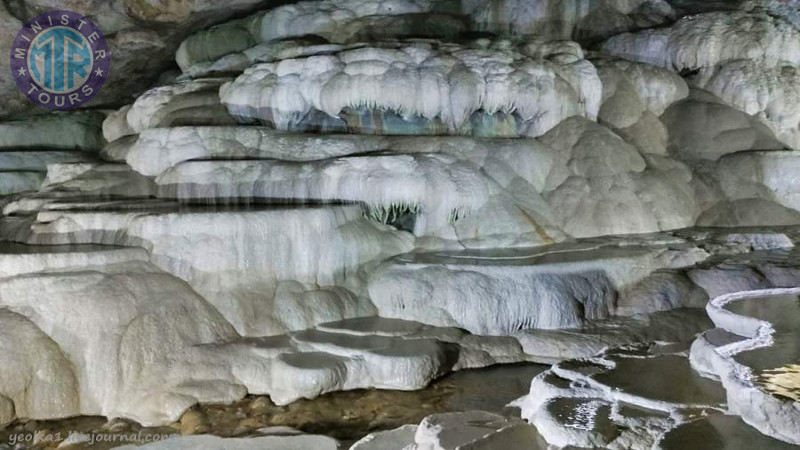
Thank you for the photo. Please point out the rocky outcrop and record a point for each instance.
(28, 146)
(421, 87)
(752, 353)
(471, 429)
(271, 297)
(748, 59)
(336, 21)
(711, 39)
(768, 92)
(585, 21)
(37, 383)
(370, 194)
(703, 127)
(608, 186)
(62, 131)
(501, 292)
(119, 337)
(592, 403)
(194, 102)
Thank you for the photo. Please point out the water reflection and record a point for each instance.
(719, 432)
(347, 416)
(776, 368)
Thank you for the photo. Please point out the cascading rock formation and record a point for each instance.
(288, 200)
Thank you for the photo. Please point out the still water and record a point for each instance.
(776, 368)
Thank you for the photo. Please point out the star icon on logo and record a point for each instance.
(65, 51)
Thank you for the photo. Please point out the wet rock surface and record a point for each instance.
(346, 416)
(330, 223)
(775, 367)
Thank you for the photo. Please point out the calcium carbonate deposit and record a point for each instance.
(408, 224)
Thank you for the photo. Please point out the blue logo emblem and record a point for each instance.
(60, 60)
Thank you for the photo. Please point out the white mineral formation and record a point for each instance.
(605, 186)
(748, 212)
(484, 183)
(439, 186)
(499, 292)
(541, 83)
(707, 40)
(269, 264)
(594, 402)
(632, 89)
(127, 312)
(397, 439)
(116, 125)
(552, 346)
(762, 174)
(460, 430)
(19, 259)
(338, 195)
(702, 127)
(748, 59)
(770, 93)
(125, 339)
(491, 198)
(116, 151)
(753, 189)
(157, 150)
(236, 63)
(96, 180)
(457, 188)
(37, 381)
(195, 101)
(757, 367)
